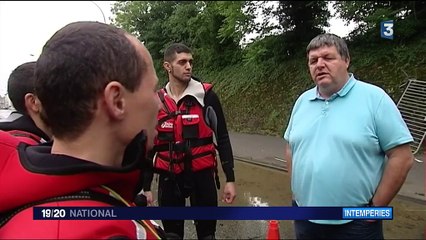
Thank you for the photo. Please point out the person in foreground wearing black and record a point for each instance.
(97, 88)
(25, 121)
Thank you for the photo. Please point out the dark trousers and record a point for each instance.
(171, 193)
(357, 229)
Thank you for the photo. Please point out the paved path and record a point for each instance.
(269, 151)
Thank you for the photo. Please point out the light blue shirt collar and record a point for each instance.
(341, 93)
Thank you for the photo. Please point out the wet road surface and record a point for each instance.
(262, 186)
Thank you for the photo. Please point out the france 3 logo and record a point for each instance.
(386, 29)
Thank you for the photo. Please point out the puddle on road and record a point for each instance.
(260, 186)
(256, 186)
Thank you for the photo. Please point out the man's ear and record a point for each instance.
(167, 66)
(114, 100)
(31, 103)
(348, 61)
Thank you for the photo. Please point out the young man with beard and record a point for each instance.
(184, 154)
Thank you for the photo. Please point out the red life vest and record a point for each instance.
(26, 137)
(184, 139)
(66, 229)
(37, 189)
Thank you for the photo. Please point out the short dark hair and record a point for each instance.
(76, 64)
(329, 39)
(21, 82)
(173, 49)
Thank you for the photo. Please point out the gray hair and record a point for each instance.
(329, 39)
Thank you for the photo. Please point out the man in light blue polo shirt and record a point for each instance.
(346, 144)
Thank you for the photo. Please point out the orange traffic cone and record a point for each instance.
(273, 230)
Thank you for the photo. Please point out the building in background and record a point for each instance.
(5, 102)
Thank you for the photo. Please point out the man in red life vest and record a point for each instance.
(184, 154)
(25, 122)
(97, 88)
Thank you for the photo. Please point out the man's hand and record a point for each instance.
(229, 193)
(149, 198)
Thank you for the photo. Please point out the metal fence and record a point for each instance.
(412, 106)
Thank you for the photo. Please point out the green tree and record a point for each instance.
(298, 23)
(221, 27)
(409, 18)
(147, 20)
(304, 18)
(212, 29)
